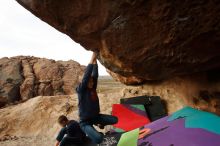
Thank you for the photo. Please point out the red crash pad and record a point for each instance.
(129, 116)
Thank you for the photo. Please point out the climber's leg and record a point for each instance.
(104, 120)
(91, 132)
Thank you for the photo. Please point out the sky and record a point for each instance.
(22, 33)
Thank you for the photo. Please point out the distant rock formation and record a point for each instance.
(145, 39)
(23, 78)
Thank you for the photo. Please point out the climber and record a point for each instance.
(89, 110)
(72, 130)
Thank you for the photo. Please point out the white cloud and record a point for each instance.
(21, 33)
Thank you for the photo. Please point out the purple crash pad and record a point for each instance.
(174, 133)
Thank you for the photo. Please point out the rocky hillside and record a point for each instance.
(23, 78)
(140, 39)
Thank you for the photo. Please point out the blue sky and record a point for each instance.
(21, 33)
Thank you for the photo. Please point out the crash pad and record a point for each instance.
(172, 130)
(198, 119)
(129, 117)
(153, 105)
(129, 138)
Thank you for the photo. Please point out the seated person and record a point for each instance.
(72, 130)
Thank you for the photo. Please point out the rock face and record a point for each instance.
(10, 80)
(129, 80)
(145, 39)
(23, 78)
(176, 93)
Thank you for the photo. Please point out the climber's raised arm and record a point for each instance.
(88, 73)
(93, 59)
(95, 74)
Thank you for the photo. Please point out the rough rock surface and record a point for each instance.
(147, 39)
(195, 91)
(129, 80)
(23, 78)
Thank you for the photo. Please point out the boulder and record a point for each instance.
(24, 77)
(147, 39)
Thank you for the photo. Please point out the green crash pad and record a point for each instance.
(129, 138)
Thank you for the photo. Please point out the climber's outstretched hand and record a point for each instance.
(93, 58)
